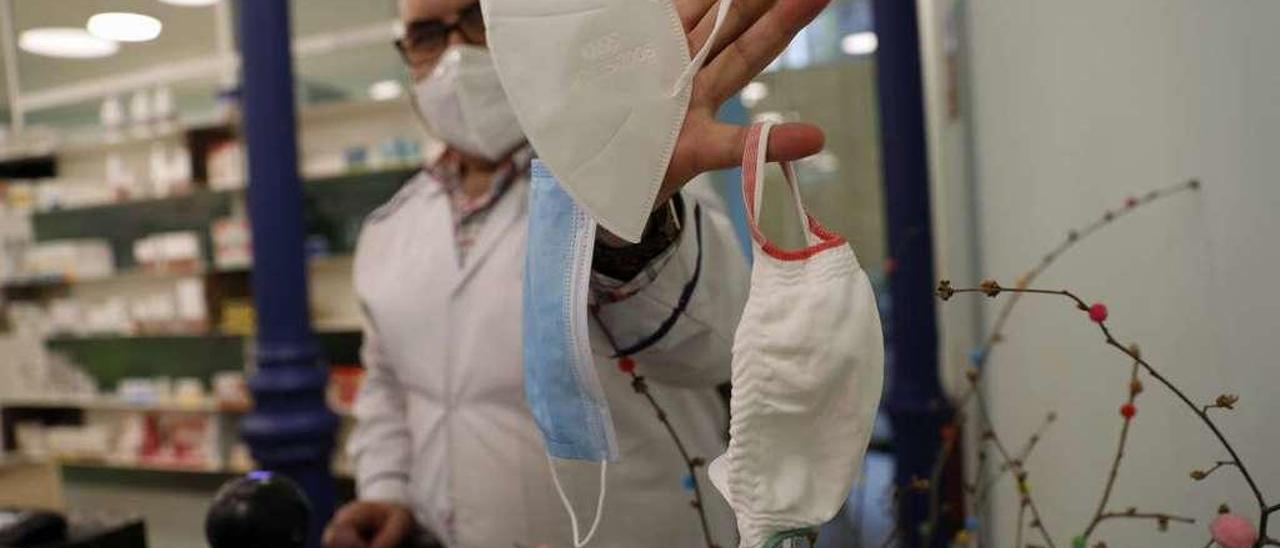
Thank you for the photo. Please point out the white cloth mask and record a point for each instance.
(463, 104)
(601, 87)
(808, 368)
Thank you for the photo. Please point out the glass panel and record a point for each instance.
(187, 33)
(827, 77)
(350, 74)
(313, 17)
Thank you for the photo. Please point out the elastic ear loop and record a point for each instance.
(788, 172)
(722, 12)
(573, 516)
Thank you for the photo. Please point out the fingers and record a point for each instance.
(741, 15)
(692, 11)
(355, 522)
(342, 536)
(393, 531)
(753, 50)
(723, 144)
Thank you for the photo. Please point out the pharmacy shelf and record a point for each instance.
(47, 281)
(323, 328)
(111, 403)
(335, 208)
(140, 337)
(140, 466)
(133, 275)
(101, 464)
(40, 142)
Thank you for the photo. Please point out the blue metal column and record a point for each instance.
(916, 405)
(291, 429)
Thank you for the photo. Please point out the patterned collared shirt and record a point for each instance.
(470, 213)
(635, 266)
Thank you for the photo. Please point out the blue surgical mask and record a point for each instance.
(561, 384)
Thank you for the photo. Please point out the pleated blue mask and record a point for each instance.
(561, 384)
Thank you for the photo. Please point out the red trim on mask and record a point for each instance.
(750, 177)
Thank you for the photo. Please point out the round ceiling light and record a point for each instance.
(191, 3)
(860, 43)
(124, 27)
(386, 90)
(66, 42)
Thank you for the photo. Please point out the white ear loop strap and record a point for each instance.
(762, 149)
(573, 516)
(722, 11)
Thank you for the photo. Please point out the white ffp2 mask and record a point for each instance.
(463, 104)
(601, 87)
(808, 367)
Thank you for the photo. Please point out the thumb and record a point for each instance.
(393, 530)
(787, 142)
(342, 536)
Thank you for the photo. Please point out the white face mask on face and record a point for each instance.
(462, 103)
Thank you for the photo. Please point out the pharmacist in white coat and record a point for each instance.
(444, 440)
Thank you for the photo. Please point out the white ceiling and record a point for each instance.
(189, 32)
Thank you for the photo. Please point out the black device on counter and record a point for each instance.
(42, 529)
(20, 529)
(265, 509)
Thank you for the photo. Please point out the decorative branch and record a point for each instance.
(1225, 401)
(1022, 519)
(1132, 513)
(1200, 475)
(692, 463)
(1049, 419)
(1024, 487)
(981, 355)
(1135, 388)
(1098, 313)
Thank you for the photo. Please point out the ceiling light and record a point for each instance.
(191, 3)
(860, 43)
(770, 117)
(66, 42)
(124, 27)
(385, 90)
(754, 93)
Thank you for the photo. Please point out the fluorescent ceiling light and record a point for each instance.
(754, 93)
(66, 42)
(860, 43)
(771, 116)
(192, 3)
(124, 27)
(385, 90)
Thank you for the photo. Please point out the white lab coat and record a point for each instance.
(442, 422)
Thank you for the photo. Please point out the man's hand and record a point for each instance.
(368, 524)
(754, 33)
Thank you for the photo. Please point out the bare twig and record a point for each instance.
(983, 354)
(1099, 514)
(1202, 474)
(1165, 518)
(1024, 489)
(691, 463)
(945, 290)
(981, 492)
(1035, 438)
(1022, 523)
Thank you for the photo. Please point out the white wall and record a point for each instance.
(1076, 105)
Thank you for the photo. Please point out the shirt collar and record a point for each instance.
(447, 171)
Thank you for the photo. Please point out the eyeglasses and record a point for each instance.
(426, 40)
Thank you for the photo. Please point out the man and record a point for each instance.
(444, 439)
